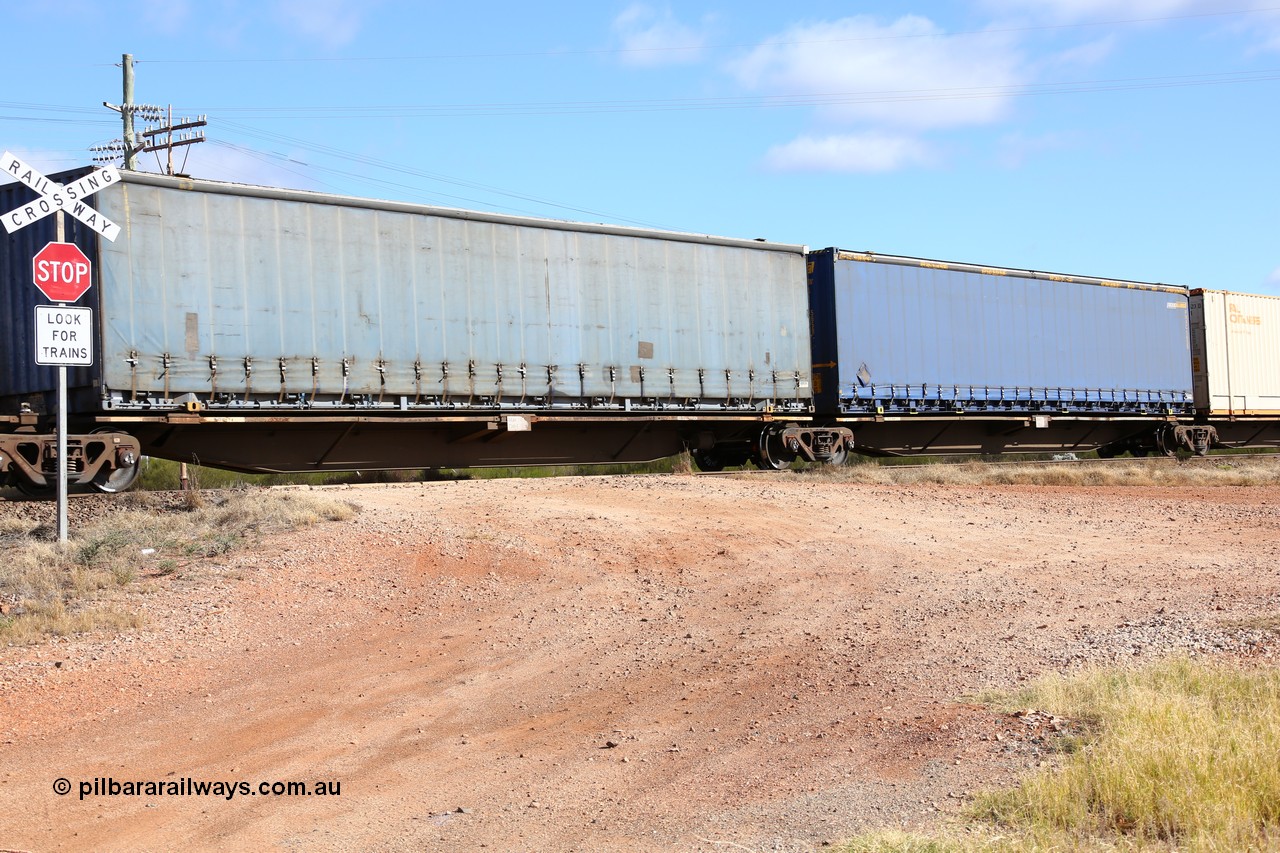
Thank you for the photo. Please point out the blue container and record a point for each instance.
(21, 379)
(906, 335)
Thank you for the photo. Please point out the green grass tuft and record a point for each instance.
(1137, 472)
(1185, 752)
(1181, 755)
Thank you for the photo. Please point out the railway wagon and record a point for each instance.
(261, 329)
(1235, 360)
(926, 356)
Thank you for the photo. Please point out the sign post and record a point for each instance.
(64, 336)
(62, 272)
(63, 510)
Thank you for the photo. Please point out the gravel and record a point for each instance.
(645, 663)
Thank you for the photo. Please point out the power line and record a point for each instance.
(855, 98)
(47, 108)
(829, 99)
(1065, 87)
(77, 121)
(700, 47)
(349, 156)
(277, 160)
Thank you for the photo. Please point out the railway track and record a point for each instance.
(9, 494)
(1171, 460)
(1177, 460)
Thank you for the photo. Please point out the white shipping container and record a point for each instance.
(1235, 353)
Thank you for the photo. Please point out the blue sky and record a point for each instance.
(1130, 140)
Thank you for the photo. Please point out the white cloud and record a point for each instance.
(46, 162)
(876, 88)
(908, 74)
(879, 90)
(332, 23)
(1268, 286)
(853, 152)
(1261, 26)
(221, 163)
(1089, 53)
(1014, 149)
(209, 161)
(1071, 11)
(163, 16)
(650, 37)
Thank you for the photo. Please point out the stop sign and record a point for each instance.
(61, 271)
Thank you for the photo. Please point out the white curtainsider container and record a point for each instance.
(266, 329)
(1235, 353)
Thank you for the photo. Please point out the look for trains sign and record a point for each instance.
(54, 197)
(64, 336)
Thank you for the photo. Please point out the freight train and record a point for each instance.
(271, 330)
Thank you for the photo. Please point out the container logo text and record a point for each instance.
(1235, 315)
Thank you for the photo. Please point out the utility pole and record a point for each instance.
(126, 112)
(127, 148)
(152, 134)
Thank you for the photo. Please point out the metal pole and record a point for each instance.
(62, 452)
(170, 172)
(126, 112)
(60, 235)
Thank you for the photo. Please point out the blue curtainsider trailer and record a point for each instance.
(977, 350)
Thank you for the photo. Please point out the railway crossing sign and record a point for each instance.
(64, 335)
(54, 197)
(61, 272)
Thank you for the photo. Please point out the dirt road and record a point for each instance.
(654, 663)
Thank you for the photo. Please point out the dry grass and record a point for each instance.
(47, 588)
(682, 463)
(1186, 753)
(1221, 471)
(896, 841)
(1181, 755)
(1254, 623)
(956, 840)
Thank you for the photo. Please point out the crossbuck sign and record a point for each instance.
(55, 197)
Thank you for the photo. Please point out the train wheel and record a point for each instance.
(49, 490)
(839, 457)
(116, 479)
(771, 454)
(708, 461)
(1168, 440)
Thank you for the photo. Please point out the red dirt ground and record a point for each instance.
(645, 663)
